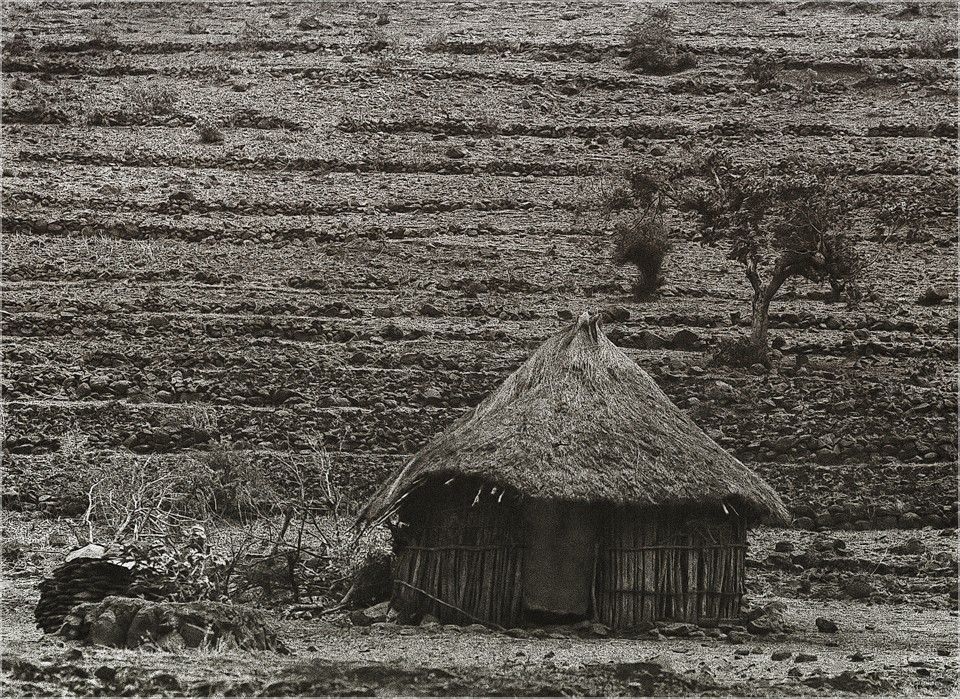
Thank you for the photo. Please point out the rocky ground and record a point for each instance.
(405, 202)
(891, 597)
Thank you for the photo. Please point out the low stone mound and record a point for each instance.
(125, 622)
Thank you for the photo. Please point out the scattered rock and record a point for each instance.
(371, 615)
(911, 547)
(126, 622)
(429, 621)
(859, 589)
(651, 341)
(432, 397)
(615, 314)
(309, 23)
(518, 633)
(805, 658)
(825, 625)
(105, 673)
(886, 522)
(934, 296)
(676, 629)
(685, 340)
(94, 551)
(737, 637)
(779, 655)
(784, 547)
(766, 619)
(431, 311)
(599, 630)
(910, 520)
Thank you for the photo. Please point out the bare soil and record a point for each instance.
(405, 202)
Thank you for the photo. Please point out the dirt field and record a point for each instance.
(406, 200)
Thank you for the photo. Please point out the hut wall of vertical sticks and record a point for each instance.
(661, 563)
(576, 490)
(460, 559)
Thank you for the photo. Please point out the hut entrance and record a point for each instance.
(560, 561)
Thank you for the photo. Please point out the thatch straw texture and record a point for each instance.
(580, 421)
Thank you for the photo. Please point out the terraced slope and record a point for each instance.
(406, 202)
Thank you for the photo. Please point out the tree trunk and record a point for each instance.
(763, 294)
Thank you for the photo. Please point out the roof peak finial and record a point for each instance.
(591, 322)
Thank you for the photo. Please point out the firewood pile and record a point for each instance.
(84, 577)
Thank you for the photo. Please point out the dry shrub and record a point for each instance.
(208, 131)
(377, 40)
(644, 241)
(313, 552)
(614, 197)
(235, 485)
(764, 70)
(150, 99)
(653, 48)
(740, 352)
(16, 44)
(932, 41)
(436, 42)
(156, 516)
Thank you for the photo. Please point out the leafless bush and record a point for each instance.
(102, 36)
(436, 42)
(642, 240)
(311, 552)
(136, 498)
(150, 99)
(235, 484)
(17, 44)
(614, 196)
(764, 70)
(932, 41)
(741, 352)
(652, 46)
(208, 131)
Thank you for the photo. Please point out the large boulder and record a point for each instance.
(127, 622)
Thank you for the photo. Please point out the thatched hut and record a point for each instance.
(577, 490)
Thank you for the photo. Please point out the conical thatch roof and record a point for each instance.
(580, 421)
